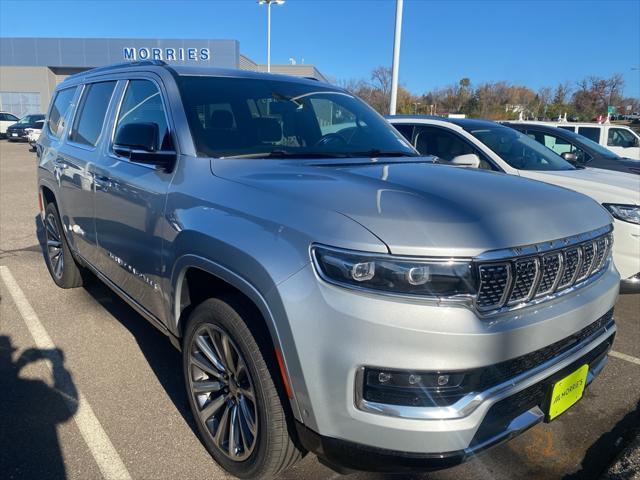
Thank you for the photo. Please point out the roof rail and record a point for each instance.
(312, 78)
(114, 66)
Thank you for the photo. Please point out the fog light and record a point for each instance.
(411, 388)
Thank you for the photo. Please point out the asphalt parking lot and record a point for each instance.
(89, 389)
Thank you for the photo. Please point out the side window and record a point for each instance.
(592, 133)
(405, 129)
(91, 113)
(443, 144)
(438, 142)
(142, 103)
(619, 137)
(59, 110)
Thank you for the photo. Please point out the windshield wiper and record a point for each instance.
(384, 153)
(288, 154)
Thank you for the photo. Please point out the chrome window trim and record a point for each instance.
(472, 401)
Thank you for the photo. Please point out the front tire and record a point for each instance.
(62, 266)
(241, 414)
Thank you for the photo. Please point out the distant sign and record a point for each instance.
(611, 109)
(167, 54)
(629, 107)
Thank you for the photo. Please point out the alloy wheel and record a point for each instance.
(223, 392)
(54, 246)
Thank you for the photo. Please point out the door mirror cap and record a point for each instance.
(572, 158)
(138, 143)
(138, 136)
(468, 160)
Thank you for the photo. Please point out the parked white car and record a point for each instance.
(6, 119)
(620, 139)
(491, 146)
(34, 133)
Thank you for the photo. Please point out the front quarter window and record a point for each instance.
(519, 150)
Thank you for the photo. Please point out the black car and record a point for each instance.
(16, 132)
(576, 148)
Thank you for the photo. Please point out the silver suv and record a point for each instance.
(330, 290)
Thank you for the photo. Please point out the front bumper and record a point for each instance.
(19, 134)
(631, 284)
(337, 332)
(522, 404)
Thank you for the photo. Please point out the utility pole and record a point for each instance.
(396, 58)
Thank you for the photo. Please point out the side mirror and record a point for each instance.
(468, 160)
(572, 158)
(138, 142)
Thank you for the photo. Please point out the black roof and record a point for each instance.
(151, 65)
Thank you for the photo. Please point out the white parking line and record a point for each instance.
(105, 455)
(624, 356)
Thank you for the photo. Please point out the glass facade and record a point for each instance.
(20, 103)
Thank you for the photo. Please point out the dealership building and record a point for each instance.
(30, 68)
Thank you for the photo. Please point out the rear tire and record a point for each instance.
(263, 444)
(64, 270)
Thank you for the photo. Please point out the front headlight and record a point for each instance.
(392, 274)
(626, 213)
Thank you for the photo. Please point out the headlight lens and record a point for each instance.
(395, 274)
(626, 213)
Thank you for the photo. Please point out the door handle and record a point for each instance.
(102, 182)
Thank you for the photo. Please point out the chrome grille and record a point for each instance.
(541, 270)
(588, 250)
(526, 272)
(571, 261)
(551, 264)
(494, 283)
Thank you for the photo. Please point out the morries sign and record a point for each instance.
(167, 54)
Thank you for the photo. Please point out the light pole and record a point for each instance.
(396, 58)
(269, 2)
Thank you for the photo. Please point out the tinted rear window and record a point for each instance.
(91, 113)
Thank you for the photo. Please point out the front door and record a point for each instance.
(623, 142)
(130, 200)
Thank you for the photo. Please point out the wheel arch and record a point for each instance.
(191, 268)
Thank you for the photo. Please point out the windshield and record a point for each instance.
(257, 118)
(518, 150)
(29, 119)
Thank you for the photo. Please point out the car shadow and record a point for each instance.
(30, 411)
(608, 446)
(165, 361)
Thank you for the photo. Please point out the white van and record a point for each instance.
(617, 138)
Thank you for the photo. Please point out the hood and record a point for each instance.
(419, 208)
(604, 186)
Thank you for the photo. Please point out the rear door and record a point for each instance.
(130, 199)
(73, 161)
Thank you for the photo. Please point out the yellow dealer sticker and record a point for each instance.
(568, 391)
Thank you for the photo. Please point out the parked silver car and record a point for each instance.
(331, 291)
